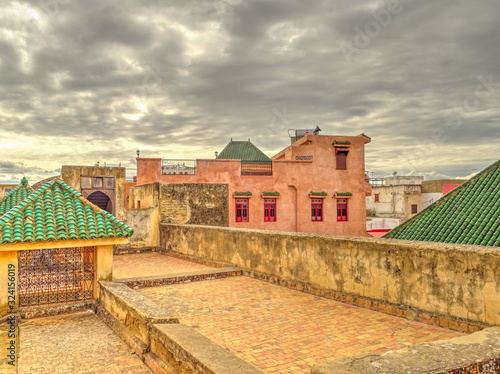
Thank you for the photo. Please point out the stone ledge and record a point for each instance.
(138, 346)
(51, 310)
(475, 353)
(156, 365)
(196, 276)
(131, 309)
(190, 352)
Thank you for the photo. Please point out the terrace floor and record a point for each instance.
(280, 330)
(76, 343)
(151, 264)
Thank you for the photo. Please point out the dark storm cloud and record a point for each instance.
(87, 81)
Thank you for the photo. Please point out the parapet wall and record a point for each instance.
(449, 285)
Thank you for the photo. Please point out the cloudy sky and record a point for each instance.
(94, 80)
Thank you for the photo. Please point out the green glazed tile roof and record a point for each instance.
(469, 214)
(242, 150)
(16, 196)
(58, 212)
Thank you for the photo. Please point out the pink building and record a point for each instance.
(316, 185)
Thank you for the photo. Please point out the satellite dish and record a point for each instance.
(395, 173)
(316, 130)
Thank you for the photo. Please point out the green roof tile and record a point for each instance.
(242, 150)
(15, 197)
(57, 212)
(469, 214)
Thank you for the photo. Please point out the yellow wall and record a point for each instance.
(8, 261)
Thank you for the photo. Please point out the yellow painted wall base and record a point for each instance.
(8, 268)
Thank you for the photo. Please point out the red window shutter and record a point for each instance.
(270, 210)
(317, 210)
(342, 213)
(241, 210)
(341, 158)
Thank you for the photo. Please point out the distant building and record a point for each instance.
(316, 185)
(470, 214)
(5, 188)
(401, 197)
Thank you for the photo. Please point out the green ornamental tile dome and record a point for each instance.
(470, 214)
(55, 212)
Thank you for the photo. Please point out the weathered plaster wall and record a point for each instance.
(145, 223)
(194, 203)
(454, 281)
(144, 196)
(205, 204)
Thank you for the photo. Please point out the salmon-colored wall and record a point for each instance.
(318, 174)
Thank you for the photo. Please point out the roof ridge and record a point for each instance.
(19, 207)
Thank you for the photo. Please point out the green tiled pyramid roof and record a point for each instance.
(242, 150)
(469, 214)
(16, 196)
(58, 212)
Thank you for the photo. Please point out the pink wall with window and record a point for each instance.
(308, 165)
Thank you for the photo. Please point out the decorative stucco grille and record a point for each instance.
(49, 276)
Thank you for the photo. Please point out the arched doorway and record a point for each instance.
(101, 200)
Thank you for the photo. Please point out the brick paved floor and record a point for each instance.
(151, 264)
(283, 331)
(74, 344)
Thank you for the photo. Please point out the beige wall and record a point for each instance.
(71, 175)
(402, 180)
(293, 205)
(452, 280)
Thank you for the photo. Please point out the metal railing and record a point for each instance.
(256, 168)
(178, 167)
